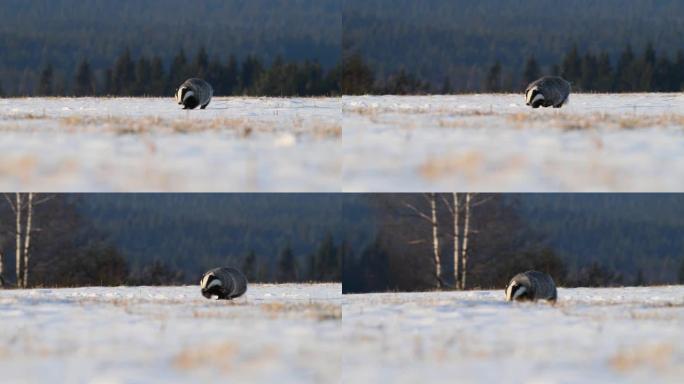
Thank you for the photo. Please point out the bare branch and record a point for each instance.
(418, 212)
(480, 202)
(42, 200)
(447, 203)
(11, 204)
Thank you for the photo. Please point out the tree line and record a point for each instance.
(645, 71)
(145, 76)
(47, 241)
(323, 265)
(71, 30)
(461, 39)
(456, 241)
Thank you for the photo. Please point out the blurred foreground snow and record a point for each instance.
(629, 335)
(151, 144)
(287, 333)
(477, 143)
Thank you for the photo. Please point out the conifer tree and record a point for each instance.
(287, 266)
(143, 77)
(84, 84)
(532, 71)
(493, 80)
(45, 84)
(200, 66)
(157, 77)
(179, 70)
(249, 266)
(124, 74)
(572, 66)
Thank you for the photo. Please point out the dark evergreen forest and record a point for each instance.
(69, 47)
(371, 241)
(445, 46)
(111, 239)
(580, 239)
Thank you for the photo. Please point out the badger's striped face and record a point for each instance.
(515, 291)
(534, 97)
(182, 95)
(210, 285)
(209, 281)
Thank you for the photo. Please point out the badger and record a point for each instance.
(549, 91)
(2, 282)
(531, 286)
(226, 283)
(193, 93)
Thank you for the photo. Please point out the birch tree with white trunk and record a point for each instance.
(454, 208)
(27, 239)
(461, 208)
(17, 247)
(23, 232)
(466, 233)
(432, 219)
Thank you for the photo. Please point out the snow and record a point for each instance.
(626, 142)
(286, 333)
(602, 335)
(151, 144)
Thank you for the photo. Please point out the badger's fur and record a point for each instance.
(225, 283)
(531, 286)
(549, 91)
(194, 93)
(2, 282)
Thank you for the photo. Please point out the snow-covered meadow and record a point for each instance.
(632, 335)
(151, 144)
(627, 142)
(288, 333)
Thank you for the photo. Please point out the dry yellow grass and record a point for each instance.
(596, 120)
(220, 356)
(656, 356)
(241, 127)
(367, 110)
(470, 164)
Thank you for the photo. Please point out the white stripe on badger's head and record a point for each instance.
(206, 277)
(179, 95)
(531, 98)
(511, 295)
(509, 289)
(528, 95)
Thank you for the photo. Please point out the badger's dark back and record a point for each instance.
(531, 285)
(233, 283)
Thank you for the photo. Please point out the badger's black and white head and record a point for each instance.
(211, 286)
(186, 97)
(517, 292)
(534, 97)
